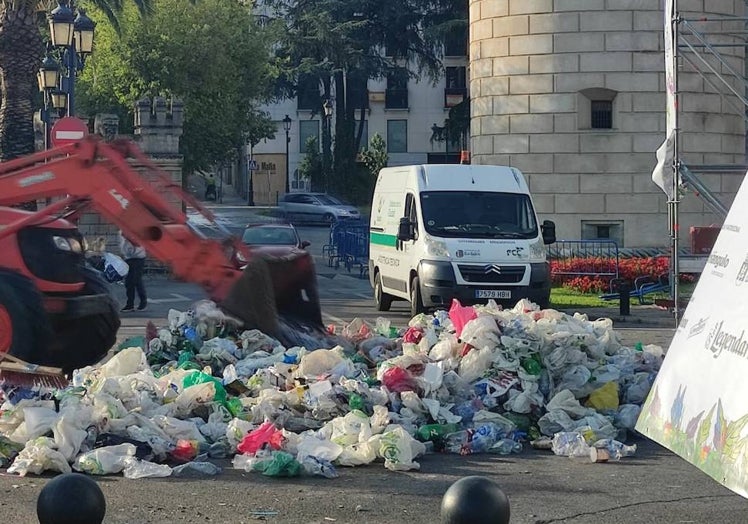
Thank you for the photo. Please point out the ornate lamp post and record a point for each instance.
(72, 37)
(48, 78)
(287, 128)
(327, 142)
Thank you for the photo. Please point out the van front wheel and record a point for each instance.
(416, 301)
(384, 300)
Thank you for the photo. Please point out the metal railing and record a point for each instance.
(592, 258)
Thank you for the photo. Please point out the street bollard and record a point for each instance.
(475, 500)
(624, 293)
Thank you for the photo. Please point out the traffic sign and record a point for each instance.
(68, 130)
(253, 165)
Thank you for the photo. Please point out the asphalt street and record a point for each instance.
(653, 486)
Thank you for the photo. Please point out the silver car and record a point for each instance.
(315, 207)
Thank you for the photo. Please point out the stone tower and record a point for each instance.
(572, 93)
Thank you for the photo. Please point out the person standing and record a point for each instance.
(134, 254)
(210, 188)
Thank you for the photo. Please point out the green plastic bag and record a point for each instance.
(198, 377)
(280, 464)
(355, 401)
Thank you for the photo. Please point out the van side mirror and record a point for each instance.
(549, 231)
(405, 229)
(305, 244)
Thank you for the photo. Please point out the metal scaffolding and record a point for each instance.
(692, 47)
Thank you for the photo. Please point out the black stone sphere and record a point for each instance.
(71, 498)
(475, 500)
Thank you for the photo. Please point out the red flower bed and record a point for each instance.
(596, 281)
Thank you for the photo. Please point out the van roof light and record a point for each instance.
(464, 157)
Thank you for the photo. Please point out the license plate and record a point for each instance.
(493, 293)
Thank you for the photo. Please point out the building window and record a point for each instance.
(596, 108)
(455, 90)
(601, 114)
(364, 135)
(397, 136)
(396, 96)
(456, 42)
(357, 93)
(307, 93)
(307, 130)
(603, 230)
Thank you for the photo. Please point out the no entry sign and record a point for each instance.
(68, 130)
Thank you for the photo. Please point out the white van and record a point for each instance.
(470, 232)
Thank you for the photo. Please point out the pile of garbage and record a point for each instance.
(469, 380)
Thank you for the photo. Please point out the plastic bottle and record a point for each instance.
(320, 467)
(484, 437)
(191, 334)
(473, 440)
(355, 401)
(196, 468)
(532, 366)
(435, 432)
(570, 444)
(506, 446)
(616, 450)
(458, 442)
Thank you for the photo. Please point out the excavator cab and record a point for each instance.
(54, 309)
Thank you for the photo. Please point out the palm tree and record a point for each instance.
(21, 51)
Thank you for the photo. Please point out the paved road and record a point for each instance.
(654, 486)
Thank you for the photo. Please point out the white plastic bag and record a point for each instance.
(114, 267)
(138, 469)
(106, 460)
(38, 456)
(398, 449)
(475, 363)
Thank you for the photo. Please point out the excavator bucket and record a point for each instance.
(279, 296)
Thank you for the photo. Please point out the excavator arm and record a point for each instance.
(118, 181)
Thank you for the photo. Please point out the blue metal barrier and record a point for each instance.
(348, 245)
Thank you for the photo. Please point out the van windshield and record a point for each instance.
(478, 214)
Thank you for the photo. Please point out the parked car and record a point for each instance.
(273, 238)
(315, 207)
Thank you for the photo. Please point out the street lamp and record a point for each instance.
(72, 33)
(326, 153)
(48, 77)
(287, 128)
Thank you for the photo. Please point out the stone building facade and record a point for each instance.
(572, 92)
(158, 128)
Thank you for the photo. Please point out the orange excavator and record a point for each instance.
(56, 310)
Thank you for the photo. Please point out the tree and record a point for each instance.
(338, 45)
(375, 157)
(211, 54)
(21, 50)
(310, 167)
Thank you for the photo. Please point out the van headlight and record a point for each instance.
(67, 244)
(537, 250)
(436, 248)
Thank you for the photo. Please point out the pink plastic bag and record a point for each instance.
(399, 380)
(461, 315)
(413, 335)
(257, 438)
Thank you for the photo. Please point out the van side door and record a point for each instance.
(405, 248)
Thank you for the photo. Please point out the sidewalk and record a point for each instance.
(641, 316)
